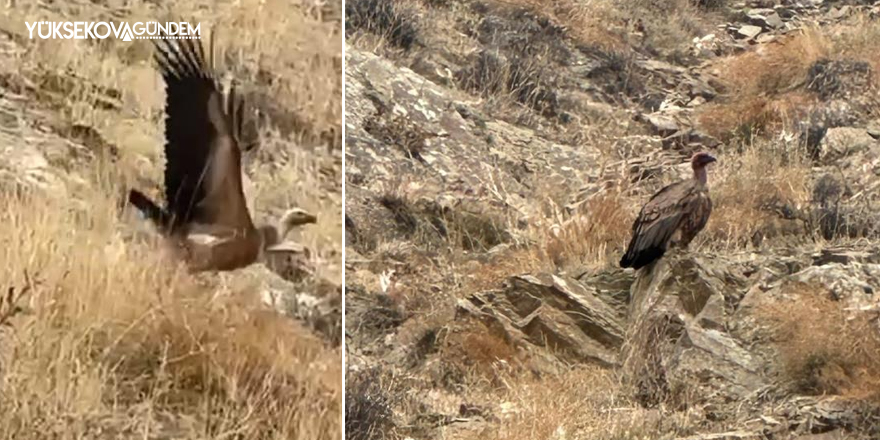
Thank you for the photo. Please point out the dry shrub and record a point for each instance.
(432, 226)
(584, 402)
(765, 86)
(475, 350)
(824, 348)
(521, 60)
(588, 21)
(860, 40)
(396, 23)
(515, 76)
(667, 27)
(758, 83)
(775, 67)
(369, 407)
(490, 273)
(114, 337)
(748, 189)
(591, 235)
(749, 116)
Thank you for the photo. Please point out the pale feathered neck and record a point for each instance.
(700, 174)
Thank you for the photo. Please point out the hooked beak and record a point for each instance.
(309, 218)
(301, 218)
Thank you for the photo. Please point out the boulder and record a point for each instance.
(749, 31)
(840, 142)
(767, 19)
(555, 313)
(677, 343)
(315, 302)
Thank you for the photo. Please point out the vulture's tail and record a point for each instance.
(149, 209)
(641, 258)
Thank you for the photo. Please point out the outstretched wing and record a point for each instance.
(203, 161)
(657, 223)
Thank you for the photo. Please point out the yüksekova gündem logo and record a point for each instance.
(142, 30)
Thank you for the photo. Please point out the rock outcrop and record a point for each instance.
(466, 189)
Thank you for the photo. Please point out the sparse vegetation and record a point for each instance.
(824, 348)
(774, 89)
(768, 180)
(369, 414)
(602, 222)
(116, 338)
(554, 122)
(392, 21)
(104, 334)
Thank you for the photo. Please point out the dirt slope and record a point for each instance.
(103, 335)
(497, 153)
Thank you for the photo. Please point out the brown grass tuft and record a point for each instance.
(759, 83)
(824, 348)
(114, 337)
(747, 191)
(589, 21)
(111, 338)
(580, 403)
(477, 349)
(590, 236)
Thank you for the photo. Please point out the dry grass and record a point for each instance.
(303, 74)
(859, 40)
(615, 25)
(113, 337)
(747, 116)
(824, 348)
(591, 21)
(591, 235)
(762, 86)
(747, 189)
(395, 24)
(581, 403)
(475, 351)
(765, 87)
(368, 407)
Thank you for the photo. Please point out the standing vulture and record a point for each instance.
(675, 215)
(206, 214)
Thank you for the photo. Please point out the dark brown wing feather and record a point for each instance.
(679, 206)
(203, 161)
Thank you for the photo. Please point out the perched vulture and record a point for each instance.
(673, 216)
(206, 214)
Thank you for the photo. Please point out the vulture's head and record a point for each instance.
(701, 159)
(296, 217)
(275, 250)
(272, 235)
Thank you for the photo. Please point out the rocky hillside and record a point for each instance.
(496, 155)
(101, 334)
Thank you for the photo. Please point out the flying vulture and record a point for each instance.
(206, 214)
(673, 216)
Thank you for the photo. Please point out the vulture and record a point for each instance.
(206, 215)
(673, 216)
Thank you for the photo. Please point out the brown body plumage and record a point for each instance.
(206, 213)
(673, 216)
